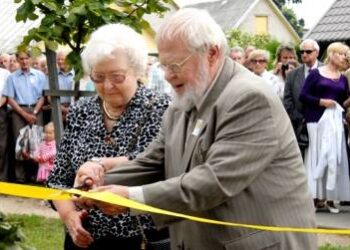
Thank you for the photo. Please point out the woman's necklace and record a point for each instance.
(108, 114)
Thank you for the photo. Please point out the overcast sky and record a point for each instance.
(310, 10)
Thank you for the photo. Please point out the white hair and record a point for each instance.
(107, 39)
(196, 28)
(259, 52)
(313, 42)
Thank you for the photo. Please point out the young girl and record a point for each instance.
(46, 153)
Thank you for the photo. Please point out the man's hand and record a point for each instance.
(30, 118)
(106, 208)
(73, 222)
(91, 170)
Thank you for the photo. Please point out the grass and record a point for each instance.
(330, 247)
(41, 232)
(48, 234)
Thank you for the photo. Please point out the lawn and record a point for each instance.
(48, 234)
(41, 232)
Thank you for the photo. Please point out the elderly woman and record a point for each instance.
(258, 61)
(325, 89)
(111, 127)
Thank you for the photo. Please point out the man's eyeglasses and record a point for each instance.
(176, 67)
(258, 61)
(307, 51)
(112, 78)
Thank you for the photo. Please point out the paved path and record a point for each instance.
(17, 205)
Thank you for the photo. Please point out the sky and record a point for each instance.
(310, 10)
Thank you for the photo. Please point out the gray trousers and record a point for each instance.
(25, 171)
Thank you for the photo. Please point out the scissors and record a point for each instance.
(85, 186)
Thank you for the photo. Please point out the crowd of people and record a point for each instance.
(204, 130)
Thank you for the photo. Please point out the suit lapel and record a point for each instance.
(204, 109)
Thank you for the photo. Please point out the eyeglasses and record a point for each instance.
(307, 51)
(112, 78)
(258, 61)
(176, 67)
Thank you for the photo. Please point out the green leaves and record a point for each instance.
(11, 235)
(70, 23)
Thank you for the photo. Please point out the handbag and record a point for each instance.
(28, 141)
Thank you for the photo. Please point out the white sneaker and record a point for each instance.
(333, 209)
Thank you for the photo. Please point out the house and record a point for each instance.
(333, 26)
(251, 16)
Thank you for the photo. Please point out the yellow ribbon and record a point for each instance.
(55, 194)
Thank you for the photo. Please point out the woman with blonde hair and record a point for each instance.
(323, 94)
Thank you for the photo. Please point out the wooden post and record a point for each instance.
(55, 100)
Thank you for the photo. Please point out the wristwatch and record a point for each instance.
(98, 161)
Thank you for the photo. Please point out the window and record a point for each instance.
(261, 24)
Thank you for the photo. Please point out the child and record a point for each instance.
(46, 152)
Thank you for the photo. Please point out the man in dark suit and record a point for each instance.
(309, 50)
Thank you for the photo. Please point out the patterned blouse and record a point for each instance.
(86, 137)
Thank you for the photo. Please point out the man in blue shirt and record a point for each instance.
(65, 80)
(24, 90)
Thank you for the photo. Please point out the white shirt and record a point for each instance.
(307, 69)
(4, 73)
(275, 83)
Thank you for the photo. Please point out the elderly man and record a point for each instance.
(226, 150)
(294, 82)
(24, 89)
(237, 54)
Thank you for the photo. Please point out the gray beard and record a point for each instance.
(193, 92)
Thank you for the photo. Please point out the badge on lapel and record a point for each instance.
(198, 128)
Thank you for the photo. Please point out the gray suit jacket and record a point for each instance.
(293, 84)
(242, 165)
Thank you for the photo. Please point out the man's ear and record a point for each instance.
(213, 55)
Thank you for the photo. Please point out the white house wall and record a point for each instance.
(276, 28)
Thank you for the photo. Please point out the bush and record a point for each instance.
(11, 235)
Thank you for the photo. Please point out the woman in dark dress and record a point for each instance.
(326, 88)
(111, 127)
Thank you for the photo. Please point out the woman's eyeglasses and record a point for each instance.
(112, 78)
(307, 51)
(176, 67)
(261, 61)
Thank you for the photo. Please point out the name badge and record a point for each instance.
(198, 128)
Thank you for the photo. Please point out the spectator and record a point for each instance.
(13, 63)
(237, 54)
(258, 61)
(294, 82)
(326, 159)
(4, 167)
(24, 89)
(247, 50)
(286, 59)
(5, 60)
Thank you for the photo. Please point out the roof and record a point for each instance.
(334, 25)
(226, 13)
(232, 13)
(11, 32)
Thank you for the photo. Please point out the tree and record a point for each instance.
(70, 22)
(281, 3)
(238, 38)
(289, 14)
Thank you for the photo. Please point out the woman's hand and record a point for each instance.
(91, 170)
(106, 208)
(73, 221)
(327, 103)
